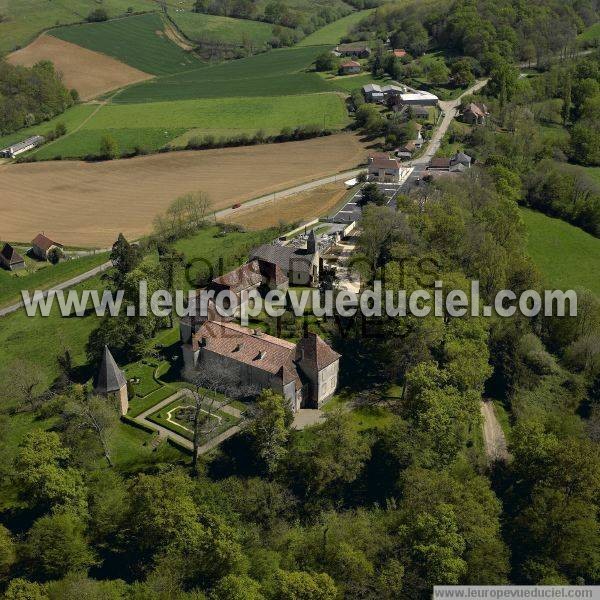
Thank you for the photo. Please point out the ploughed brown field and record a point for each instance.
(90, 73)
(88, 204)
(304, 206)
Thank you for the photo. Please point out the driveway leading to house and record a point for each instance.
(494, 439)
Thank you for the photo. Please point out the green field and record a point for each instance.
(25, 19)
(129, 123)
(138, 41)
(567, 256)
(72, 118)
(42, 276)
(591, 34)
(202, 28)
(276, 73)
(334, 32)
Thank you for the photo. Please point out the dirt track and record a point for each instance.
(88, 204)
(90, 73)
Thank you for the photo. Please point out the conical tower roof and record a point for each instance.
(110, 377)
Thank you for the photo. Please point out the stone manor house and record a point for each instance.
(306, 373)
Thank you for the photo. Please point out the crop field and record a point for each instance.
(26, 18)
(88, 204)
(567, 256)
(213, 28)
(90, 73)
(128, 123)
(276, 73)
(299, 207)
(334, 32)
(139, 41)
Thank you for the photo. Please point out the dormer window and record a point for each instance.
(260, 355)
(237, 348)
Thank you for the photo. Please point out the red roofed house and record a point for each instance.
(475, 114)
(350, 67)
(305, 374)
(383, 168)
(41, 245)
(10, 259)
(400, 53)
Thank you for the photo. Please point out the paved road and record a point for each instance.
(61, 286)
(291, 191)
(180, 439)
(493, 435)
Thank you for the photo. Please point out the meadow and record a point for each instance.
(591, 34)
(138, 41)
(72, 118)
(25, 19)
(276, 73)
(567, 256)
(129, 124)
(43, 276)
(202, 28)
(334, 32)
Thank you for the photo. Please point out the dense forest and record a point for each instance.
(29, 96)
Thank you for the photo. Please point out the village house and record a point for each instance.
(399, 53)
(359, 49)
(373, 93)
(350, 67)
(305, 374)
(10, 259)
(41, 246)
(475, 114)
(21, 147)
(111, 383)
(301, 266)
(458, 163)
(382, 168)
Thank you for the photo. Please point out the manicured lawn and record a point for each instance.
(144, 371)
(173, 417)
(334, 32)
(280, 72)
(41, 276)
(138, 41)
(567, 256)
(27, 18)
(72, 118)
(139, 405)
(213, 28)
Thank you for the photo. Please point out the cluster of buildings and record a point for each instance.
(306, 373)
(41, 246)
(398, 97)
(458, 163)
(24, 146)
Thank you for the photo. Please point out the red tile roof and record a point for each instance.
(439, 163)
(400, 53)
(350, 63)
(316, 352)
(44, 243)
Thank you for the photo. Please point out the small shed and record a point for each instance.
(10, 259)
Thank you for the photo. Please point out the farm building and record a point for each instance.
(457, 163)
(359, 49)
(24, 146)
(300, 265)
(373, 93)
(305, 374)
(41, 246)
(419, 98)
(350, 67)
(383, 168)
(10, 259)
(391, 91)
(111, 383)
